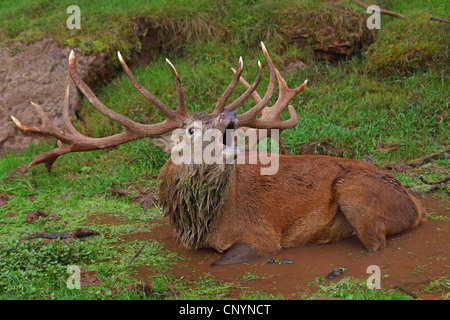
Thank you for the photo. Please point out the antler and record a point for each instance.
(270, 116)
(70, 140)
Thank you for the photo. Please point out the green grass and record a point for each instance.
(37, 270)
(352, 289)
(440, 286)
(393, 116)
(109, 25)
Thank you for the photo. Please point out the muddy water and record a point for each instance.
(408, 261)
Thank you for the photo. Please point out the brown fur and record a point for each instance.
(312, 199)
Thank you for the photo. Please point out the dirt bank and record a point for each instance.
(35, 72)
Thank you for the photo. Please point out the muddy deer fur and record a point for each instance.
(232, 207)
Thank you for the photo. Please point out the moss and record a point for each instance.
(87, 45)
(332, 28)
(408, 45)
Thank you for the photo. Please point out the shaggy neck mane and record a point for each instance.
(192, 197)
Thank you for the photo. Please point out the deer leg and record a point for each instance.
(364, 215)
(372, 234)
(238, 253)
(376, 207)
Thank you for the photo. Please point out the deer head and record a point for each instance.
(189, 128)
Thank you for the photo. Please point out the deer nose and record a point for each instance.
(227, 116)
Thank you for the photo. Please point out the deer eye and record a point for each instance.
(191, 131)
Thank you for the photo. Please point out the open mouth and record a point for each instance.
(229, 138)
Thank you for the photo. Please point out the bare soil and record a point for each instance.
(37, 72)
(408, 262)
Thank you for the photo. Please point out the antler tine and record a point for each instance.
(127, 123)
(45, 126)
(250, 91)
(255, 95)
(181, 113)
(249, 118)
(181, 109)
(220, 105)
(65, 114)
(161, 106)
(270, 116)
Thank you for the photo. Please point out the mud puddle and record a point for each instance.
(409, 261)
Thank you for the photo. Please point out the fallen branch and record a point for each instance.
(434, 182)
(76, 233)
(382, 11)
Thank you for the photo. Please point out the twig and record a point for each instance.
(382, 11)
(137, 253)
(398, 15)
(406, 291)
(434, 182)
(439, 19)
(421, 160)
(432, 189)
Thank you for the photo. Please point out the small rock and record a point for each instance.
(336, 273)
(368, 159)
(282, 261)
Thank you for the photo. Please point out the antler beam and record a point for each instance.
(70, 140)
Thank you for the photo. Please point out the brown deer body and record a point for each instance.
(231, 206)
(312, 199)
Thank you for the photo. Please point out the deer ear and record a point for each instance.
(163, 142)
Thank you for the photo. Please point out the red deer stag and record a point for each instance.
(231, 206)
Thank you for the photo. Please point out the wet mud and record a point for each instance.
(408, 262)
